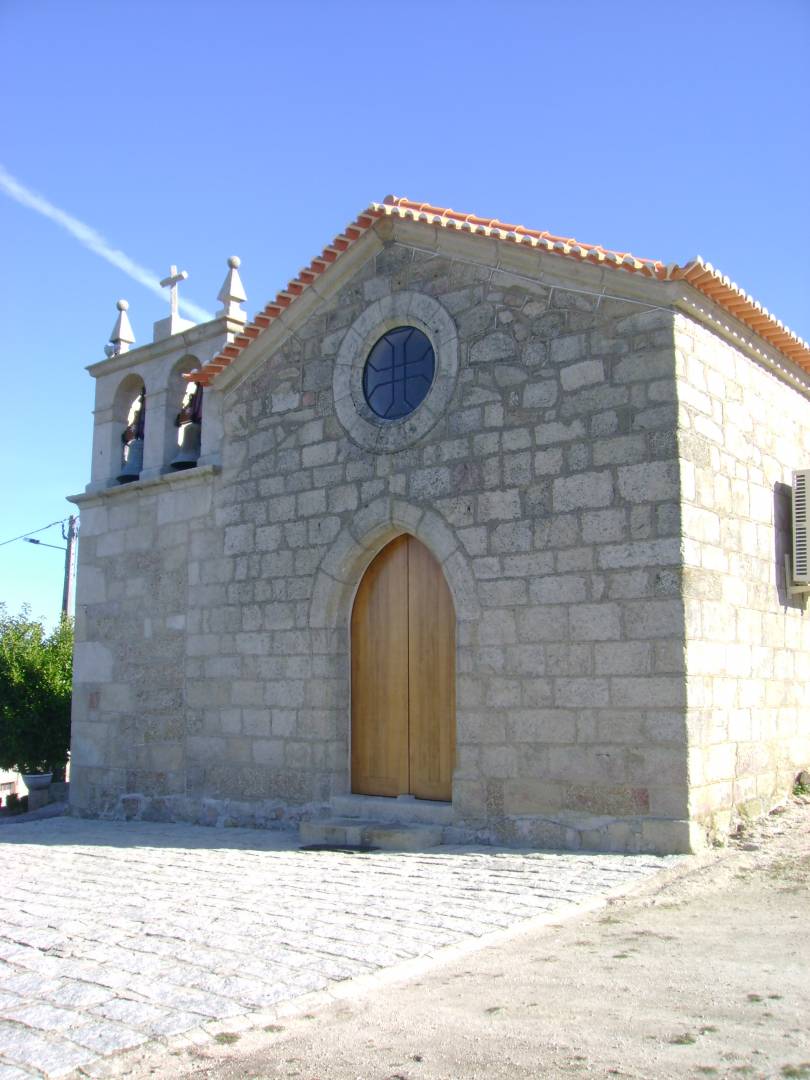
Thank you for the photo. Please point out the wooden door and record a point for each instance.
(431, 676)
(380, 675)
(403, 676)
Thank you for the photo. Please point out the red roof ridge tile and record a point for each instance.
(699, 274)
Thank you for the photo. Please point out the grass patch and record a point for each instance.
(226, 1038)
(273, 1029)
(791, 871)
(707, 1029)
(755, 997)
(494, 1009)
(686, 1039)
(797, 1072)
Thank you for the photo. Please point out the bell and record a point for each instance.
(131, 461)
(188, 446)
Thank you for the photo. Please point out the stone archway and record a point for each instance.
(371, 528)
(343, 566)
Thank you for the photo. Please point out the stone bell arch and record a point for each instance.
(178, 348)
(182, 416)
(128, 429)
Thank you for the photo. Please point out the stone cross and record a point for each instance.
(172, 281)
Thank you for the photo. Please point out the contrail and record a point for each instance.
(94, 241)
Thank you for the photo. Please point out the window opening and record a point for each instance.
(398, 373)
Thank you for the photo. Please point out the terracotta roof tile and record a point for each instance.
(697, 273)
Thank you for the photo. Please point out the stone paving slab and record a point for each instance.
(113, 933)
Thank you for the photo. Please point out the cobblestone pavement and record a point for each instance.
(113, 934)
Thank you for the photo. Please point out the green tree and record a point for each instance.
(36, 674)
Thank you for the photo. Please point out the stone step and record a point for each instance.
(405, 809)
(358, 832)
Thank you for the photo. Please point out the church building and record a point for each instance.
(472, 529)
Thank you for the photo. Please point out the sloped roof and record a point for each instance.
(697, 273)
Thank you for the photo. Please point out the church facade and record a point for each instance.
(475, 520)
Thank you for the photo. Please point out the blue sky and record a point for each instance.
(190, 131)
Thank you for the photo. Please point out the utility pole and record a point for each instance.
(70, 558)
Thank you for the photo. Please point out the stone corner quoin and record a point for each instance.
(602, 481)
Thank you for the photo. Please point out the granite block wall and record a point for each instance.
(596, 485)
(130, 721)
(548, 488)
(742, 431)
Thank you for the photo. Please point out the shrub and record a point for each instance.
(35, 689)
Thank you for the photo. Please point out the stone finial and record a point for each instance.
(232, 293)
(121, 336)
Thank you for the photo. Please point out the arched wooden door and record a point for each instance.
(403, 676)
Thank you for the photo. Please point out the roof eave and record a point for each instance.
(288, 319)
(700, 275)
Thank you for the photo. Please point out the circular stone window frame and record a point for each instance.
(360, 422)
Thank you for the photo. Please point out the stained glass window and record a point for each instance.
(398, 372)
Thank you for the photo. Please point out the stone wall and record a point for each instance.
(742, 431)
(613, 649)
(130, 720)
(548, 489)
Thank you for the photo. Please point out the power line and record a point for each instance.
(33, 532)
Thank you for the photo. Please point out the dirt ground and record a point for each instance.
(702, 975)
